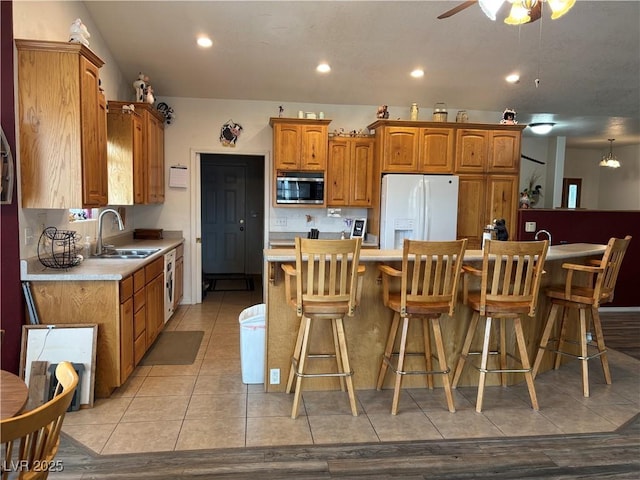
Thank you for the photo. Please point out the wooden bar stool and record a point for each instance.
(570, 296)
(428, 289)
(511, 274)
(328, 284)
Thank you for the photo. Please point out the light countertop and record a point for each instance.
(99, 268)
(556, 252)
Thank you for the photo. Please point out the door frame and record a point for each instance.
(196, 210)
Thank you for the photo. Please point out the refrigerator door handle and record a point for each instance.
(427, 210)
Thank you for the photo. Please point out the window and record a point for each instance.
(571, 192)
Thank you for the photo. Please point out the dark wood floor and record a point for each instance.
(622, 332)
(585, 456)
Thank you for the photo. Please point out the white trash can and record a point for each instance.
(252, 339)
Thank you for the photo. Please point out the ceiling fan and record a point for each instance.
(531, 9)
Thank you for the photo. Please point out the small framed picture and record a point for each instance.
(359, 228)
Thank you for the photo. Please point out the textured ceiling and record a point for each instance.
(588, 61)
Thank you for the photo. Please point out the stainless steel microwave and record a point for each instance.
(300, 188)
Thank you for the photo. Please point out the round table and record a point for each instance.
(13, 394)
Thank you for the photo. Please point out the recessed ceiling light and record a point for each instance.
(513, 78)
(204, 42)
(417, 73)
(323, 68)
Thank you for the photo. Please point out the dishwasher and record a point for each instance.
(169, 280)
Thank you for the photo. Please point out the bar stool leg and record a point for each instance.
(428, 359)
(483, 363)
(503, 351)
(336, 349)
(597, 326)
(561, 337)
(524, 359)
(544, 341)
(466, 346)
(400, 367)
(583, 352)
(342, 341)
(442, 361)
(301, 364)
(296, 355)
(391, 338)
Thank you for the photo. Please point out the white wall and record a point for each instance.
(606, 188)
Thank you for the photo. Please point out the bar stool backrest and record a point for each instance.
(327, 273)
(430, 273)
(606, 279)
(511, 275)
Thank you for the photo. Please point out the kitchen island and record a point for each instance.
(126, 298)
(367, 330)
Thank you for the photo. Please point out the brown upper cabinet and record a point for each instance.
(412, 149)
(488, 150)
(472, 150)
(299, 144)
(504, 151)
(62, 126)
(349, 178)
(136, 154)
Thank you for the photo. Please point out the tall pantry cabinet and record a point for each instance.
(62, 126)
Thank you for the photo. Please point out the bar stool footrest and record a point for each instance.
(393, 368)
(297, 373)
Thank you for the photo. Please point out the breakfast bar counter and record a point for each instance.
(367, 330)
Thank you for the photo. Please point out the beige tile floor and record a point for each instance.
(206, 405)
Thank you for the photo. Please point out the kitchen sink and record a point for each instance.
(124, 253)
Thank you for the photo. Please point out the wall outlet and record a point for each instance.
(281, 222)
(274, 376)
(530, 227)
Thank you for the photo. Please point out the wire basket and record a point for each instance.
(57, 248)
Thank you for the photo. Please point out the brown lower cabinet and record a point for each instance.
(129, 314)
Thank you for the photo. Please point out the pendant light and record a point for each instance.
(610, 160)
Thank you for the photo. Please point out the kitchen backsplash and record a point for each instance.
(304, 219)
(34, 221)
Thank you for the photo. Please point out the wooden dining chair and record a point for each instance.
(30, 441)
(428, 290)
(328, 284)
(596, 288)
(509, 286)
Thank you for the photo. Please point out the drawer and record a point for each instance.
(139, 322)
(180, 250)
(154, 269)
(139, 348)
(139, 300)
(126, 288)
(139, 280)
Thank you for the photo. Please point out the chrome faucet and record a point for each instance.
(99, 245)
(544, 231)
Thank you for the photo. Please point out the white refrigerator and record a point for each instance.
(418, 207)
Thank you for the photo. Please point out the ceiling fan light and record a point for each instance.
(518, 15)
(490, 7)
(541, 128)
(560, 7)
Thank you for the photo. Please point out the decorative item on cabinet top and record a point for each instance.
(340, 132)
(78, 33)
